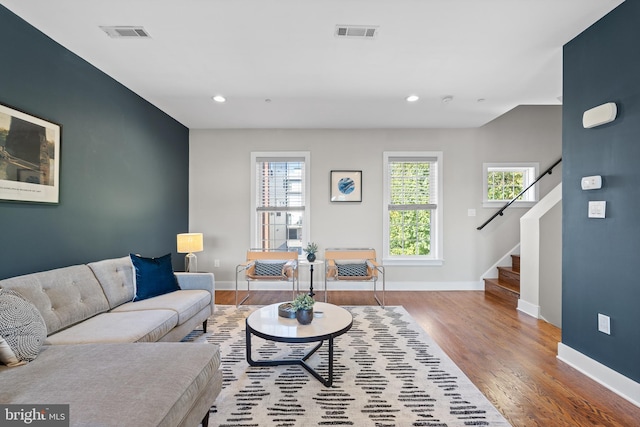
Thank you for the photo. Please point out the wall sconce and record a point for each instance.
(599, 115)
(189, 243)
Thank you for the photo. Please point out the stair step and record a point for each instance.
(509, 276)
(507, 285)
(502, 290)
(515, 263)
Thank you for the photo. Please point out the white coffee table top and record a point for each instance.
(267, 323)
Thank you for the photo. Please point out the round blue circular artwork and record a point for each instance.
(346, 185)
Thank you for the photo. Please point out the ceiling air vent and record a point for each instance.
(357, 31)
(126, 32)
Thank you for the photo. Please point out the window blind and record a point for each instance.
(413, 183)
(280, 185)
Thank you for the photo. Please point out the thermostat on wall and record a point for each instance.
(591, 182)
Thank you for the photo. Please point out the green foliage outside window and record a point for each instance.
(409, 224)
(410, 232)
(504, 185)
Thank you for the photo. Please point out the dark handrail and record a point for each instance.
(500, 212)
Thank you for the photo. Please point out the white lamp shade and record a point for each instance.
(190, 242)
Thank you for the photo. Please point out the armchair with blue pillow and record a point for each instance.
(353, 264)
(268, 265)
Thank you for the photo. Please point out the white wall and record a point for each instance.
(551, 266)
(540, 253)
(220, 187)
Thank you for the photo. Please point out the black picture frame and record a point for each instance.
(346, 186)
(29, 157)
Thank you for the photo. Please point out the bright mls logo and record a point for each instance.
(34, 415)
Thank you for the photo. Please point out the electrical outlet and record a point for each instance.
(604, 324)
(216, 263)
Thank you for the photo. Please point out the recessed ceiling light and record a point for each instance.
(412, 98)
(219, 98)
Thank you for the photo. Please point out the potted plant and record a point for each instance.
(311, 250)
(303, 304)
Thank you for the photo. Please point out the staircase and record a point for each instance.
(507, 285)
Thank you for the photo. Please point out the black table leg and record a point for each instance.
(311, 294)
(302, 362)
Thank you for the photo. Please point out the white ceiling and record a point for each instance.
(507, 52)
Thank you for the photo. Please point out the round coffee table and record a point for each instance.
(267, 324)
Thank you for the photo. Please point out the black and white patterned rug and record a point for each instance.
(387, 372)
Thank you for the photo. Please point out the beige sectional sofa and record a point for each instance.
(114, 361)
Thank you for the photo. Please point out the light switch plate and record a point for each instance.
(597, 209)
(604, 324)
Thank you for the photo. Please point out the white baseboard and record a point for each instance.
(614, 381)
(358, 286)
(528, 308)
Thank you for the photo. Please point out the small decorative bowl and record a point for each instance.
(286, 310)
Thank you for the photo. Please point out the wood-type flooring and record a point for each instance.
(508, 355)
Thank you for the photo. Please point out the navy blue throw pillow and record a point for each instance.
(153, 276)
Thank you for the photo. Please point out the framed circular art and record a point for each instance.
(346, 186)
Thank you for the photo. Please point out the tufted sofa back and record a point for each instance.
(116, 278)
(64, 296)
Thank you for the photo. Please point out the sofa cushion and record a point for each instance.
(64, 296)
(116, 278)
(121, 327)
(118, 384)
(153, 276)
(22, 329)
(186, 303)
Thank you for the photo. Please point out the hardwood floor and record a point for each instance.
(509, 356)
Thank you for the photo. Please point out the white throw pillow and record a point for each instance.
(22, 327)
(7, 356)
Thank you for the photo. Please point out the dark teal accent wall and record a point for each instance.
(124, 163)
(601, 256)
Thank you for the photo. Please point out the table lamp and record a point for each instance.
(189, 243)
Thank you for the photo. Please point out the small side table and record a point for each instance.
(311, 264)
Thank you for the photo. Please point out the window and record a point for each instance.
(279, 205)
(413, 207)
(504, 181)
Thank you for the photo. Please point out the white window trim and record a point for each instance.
(532, 194)
(281, 155)
(436, 257)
